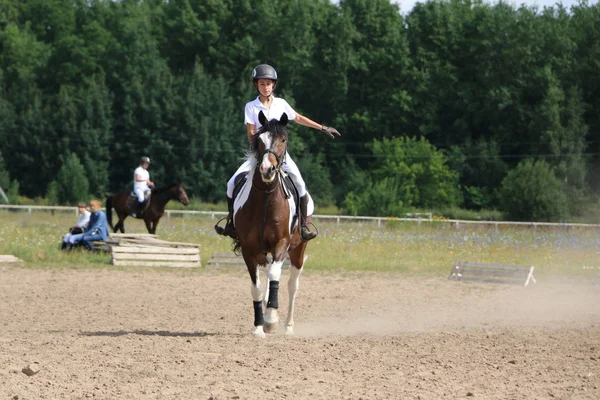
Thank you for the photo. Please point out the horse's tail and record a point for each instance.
(109, 211)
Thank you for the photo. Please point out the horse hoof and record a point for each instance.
(289, 331)
(271, 328)
(258, 332)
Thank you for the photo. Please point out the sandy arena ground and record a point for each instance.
(186, 335)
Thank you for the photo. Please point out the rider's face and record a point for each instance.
(145, 165)
(265, 86)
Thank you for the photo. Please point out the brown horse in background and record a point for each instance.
(264, 225)
(153, 212)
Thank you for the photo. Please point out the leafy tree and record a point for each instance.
(52, 194)
(72, 183)
(532, 192)
(13, 192)
(413, 170)
(378, 198)
(4, 177)
(420, 170)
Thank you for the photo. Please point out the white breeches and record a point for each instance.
(289, 167)
(68, 238)
(140, 193)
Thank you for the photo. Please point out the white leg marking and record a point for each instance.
(271, 316)
(275, 271)
(259, 332)
(293, 285)
(256, 290)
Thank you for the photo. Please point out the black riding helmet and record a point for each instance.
(264, 71)
(145, 159)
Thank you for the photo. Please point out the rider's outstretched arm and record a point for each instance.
(305, 121)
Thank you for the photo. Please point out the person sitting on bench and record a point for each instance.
(97, 228)
(76, 232)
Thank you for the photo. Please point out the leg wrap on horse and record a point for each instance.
(273, 295)
(259, 319)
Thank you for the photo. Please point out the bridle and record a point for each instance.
(280, 158)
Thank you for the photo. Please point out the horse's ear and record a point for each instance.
(262, 119)
(284, 119)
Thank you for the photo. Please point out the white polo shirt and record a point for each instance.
(144, 174)
(278, 107)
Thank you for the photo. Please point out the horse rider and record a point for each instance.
(264, 78)
(141, 184)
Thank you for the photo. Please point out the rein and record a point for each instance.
(267, 192)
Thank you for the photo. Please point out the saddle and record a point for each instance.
(289, 189)
(132, 203)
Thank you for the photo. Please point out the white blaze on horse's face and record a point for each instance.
(267, 167)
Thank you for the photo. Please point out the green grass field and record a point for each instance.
(428, 249)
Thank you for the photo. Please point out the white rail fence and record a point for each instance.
(418, 218)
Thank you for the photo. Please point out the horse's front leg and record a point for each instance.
(149, 226)
(120, 226)
(274, 275)
(154, 225)
(257, 293)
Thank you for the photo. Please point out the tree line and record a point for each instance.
(457, 104)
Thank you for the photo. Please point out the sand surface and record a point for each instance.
(149, 334)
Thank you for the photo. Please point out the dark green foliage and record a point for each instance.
(532, 192)
(72, 185)
(4, 177)
(403, 173)
(486, 85)
(13, 192)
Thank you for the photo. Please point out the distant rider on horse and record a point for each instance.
(141, 184)
(264, 78)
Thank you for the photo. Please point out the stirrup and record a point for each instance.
(218, 229)
(307, 235)
(228, 230)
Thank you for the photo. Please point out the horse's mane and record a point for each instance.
(163, 189)
(274, 126)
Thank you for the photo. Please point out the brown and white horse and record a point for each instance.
(265, 226)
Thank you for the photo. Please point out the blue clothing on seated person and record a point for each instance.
(97, 229)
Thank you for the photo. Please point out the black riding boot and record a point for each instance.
(304, 232)
(138, 209)
(229, 229)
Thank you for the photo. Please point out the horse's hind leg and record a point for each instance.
(293, 285)
(297, 259)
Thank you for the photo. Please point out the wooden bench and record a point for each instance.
(145, 250)
(493, 273)
(8, 258)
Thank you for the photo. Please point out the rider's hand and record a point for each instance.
(332, 132)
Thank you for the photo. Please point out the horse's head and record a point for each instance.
(271, 146)
(182, 195)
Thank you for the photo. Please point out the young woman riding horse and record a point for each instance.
(152, 214)
(265, 224)
(265, 78)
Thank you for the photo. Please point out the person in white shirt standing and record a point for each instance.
(265, 79)
(141, 183)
